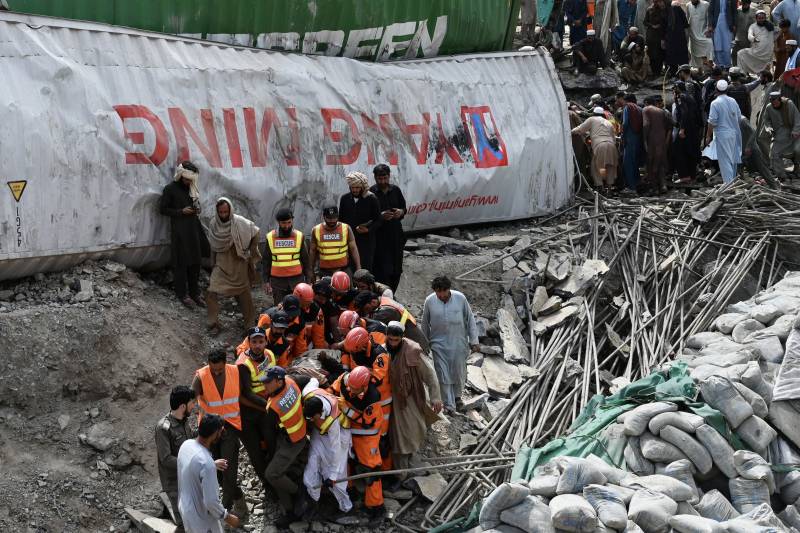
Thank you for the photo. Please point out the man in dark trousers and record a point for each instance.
(361, 210)
(286, 262)
(588, 55)
(172, 431)
(180, 201)
(387, 265)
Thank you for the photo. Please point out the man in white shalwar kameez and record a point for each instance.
(330, 445)
(700, 46)
(758, 57)
(723, 123)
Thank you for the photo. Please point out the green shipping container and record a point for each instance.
(377, 30)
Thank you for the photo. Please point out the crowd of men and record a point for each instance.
(307, 426)
(732, 105)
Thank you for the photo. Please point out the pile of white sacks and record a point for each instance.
(747, 368)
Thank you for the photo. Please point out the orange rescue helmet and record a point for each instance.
(359, 377)
(340, 281)
(304, 293)
(357, 340)
(348, 320)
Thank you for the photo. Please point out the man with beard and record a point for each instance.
(676, 48)
(685, 134)
(253, 364)
(234, 243)
(781, 51)
(333, 243)
(782, 121)
(180, 201)
(387, 265)
(362, 211)
(413, 381)
(761, 37)
(286, 261)
(588, 55)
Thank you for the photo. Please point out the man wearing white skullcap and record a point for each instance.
(723, 124)
(588, 55)
(761, 36)
(782, 121)
(605, 156)
(792, 51)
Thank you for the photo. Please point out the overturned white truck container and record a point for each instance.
(94, 119)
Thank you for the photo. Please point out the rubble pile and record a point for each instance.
(616, 291)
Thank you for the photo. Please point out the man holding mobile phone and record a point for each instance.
(387, 266)
(180, 201)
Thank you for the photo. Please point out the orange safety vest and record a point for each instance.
(226, 406)
(288, 407)
(323, 424)
(332, 245)
(285, 253)
(257, 372)
(405, 316)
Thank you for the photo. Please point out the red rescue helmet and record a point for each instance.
(357, 340)
(348, 320)
(304, 293)
(359, 377)
(340, 281)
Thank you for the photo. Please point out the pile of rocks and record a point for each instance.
(91, 283)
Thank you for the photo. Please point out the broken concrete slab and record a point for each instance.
(467, 440)
(549, 307)
(500, 376)
(490, 350)
(606, 78)
(515, 350)
(546, 323)
(458, 248)
(509, 263)
(63, 421)
(430, 486)
(559, 267)
(583, 277)
(538, 299)
(475, 379)
(497, 242)
(149, 524)
(493, 409)
(508, 305)
(475, 404)
(527, 372)
(475, 359)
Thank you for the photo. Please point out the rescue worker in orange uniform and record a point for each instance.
(343, 291)
(387, 310)
(258, 432)
(334, 245)
(312, 316)
(279, 342)
(350, 319)
(285, 407)
(360, 350)
(323, 297)
(286, 262)
(216, 387)
(297, 326)
(359, 400)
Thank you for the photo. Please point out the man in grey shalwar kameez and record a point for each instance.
(782, 120)
(449, 325)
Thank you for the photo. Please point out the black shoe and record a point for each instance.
(301, 502)
(376, 514)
